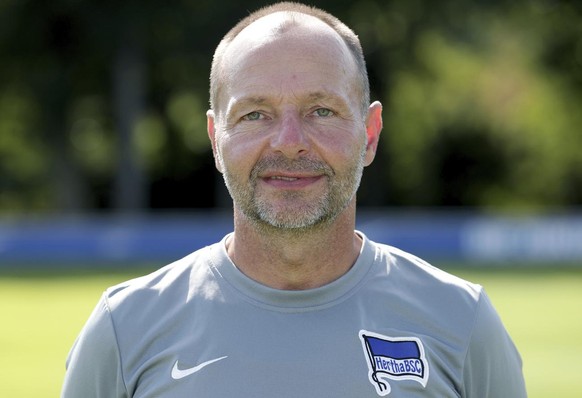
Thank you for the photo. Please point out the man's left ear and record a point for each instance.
(373, 129)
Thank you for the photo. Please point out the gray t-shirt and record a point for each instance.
(392, 326)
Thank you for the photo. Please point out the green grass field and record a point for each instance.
(42, 314)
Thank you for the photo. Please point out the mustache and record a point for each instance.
(291, 165)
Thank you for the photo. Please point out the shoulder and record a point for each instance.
(171, 282)
(423, 296)
(413, 271)
(453, 316)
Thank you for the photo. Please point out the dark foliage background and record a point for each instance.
(102, 103)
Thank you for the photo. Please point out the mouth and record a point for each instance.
(283, 178)
(284, 181)
(290, 175)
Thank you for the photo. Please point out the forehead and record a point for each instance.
(292, 46)
(281, 24)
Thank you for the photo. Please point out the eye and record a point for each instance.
(253, 116)
(323, 112)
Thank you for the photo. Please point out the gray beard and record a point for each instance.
(312, 215)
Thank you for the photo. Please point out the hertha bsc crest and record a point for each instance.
(395, 358)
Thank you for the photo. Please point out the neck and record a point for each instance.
(293, 260)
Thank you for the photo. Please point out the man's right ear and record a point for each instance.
(211, 129)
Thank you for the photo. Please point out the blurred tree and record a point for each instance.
(477, 117)
(102, 103)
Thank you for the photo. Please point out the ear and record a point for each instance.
(373, 129)
(211, 128)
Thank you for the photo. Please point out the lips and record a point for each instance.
(284, 178)
(283, 181)
(284, 173)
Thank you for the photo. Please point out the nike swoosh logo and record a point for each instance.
(177, 374)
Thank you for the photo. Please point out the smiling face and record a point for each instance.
(288, 134)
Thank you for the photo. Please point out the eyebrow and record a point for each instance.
(319, 95)
(246, 101)
(258, 100)
(243, 102)
(328, 96)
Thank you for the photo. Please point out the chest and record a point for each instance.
(239, 351)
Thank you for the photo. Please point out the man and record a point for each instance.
(294, 302)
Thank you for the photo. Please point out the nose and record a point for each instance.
(290, 138)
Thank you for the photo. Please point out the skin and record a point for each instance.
(290, 138)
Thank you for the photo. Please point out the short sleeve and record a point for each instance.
(493, 366)
(93, 364)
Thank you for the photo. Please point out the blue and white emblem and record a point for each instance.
(395, 358)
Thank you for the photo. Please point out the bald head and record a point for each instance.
(296, 23)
